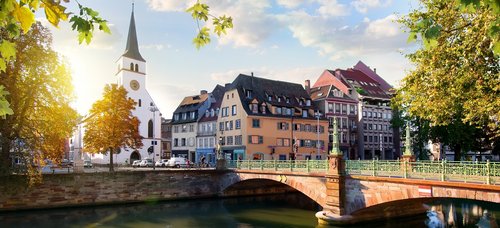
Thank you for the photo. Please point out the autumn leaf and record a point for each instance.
(24, 16)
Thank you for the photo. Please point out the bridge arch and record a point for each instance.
(311, 186)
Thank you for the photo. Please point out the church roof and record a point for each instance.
(132, 48)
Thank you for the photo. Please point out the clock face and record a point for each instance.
(134, 85)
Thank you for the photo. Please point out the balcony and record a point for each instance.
(206, 133)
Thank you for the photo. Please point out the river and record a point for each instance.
(291, 210)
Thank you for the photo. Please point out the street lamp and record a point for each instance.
(153, 109)
(317, 114)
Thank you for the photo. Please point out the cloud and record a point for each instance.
(290, 4)
(362, 6)
(296, 75)
(331, 8)
(169, 5)
(383, 28)
(157, 47)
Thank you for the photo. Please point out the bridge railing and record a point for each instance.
(461, 171)
(281, 165)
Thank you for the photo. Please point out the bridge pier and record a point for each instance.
(334, 212)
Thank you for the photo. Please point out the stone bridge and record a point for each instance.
(350, 198)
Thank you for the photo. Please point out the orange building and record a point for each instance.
(268, 119)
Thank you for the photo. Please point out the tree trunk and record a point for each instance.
(111, 165)
(457, 149)
(5, 161)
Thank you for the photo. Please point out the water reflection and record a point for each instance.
(462, 213)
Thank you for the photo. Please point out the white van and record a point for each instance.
(177, 162)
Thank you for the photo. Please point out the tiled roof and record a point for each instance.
(323, 92)
(357, 79)
(261, 89)
(217, 94)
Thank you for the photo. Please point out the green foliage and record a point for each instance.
(456, 74)
(201, 12)
(4, 104)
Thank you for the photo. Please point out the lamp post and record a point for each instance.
(153, 109)
(317, 114)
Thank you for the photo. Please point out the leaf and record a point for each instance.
(87, 36)
(25, 17)
(7, 49)
(412, 37)
(433, 32)
(3, 65)
(4, 104)
(103, 26)
(202, 38)
(496, 47)
(54, 12)
(199, 11)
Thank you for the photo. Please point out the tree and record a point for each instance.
(40, 95)
(200, 12)
(111, 125)
(456, 74)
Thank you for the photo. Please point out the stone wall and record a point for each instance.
(63, 190)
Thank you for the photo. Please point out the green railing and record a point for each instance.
(281, 165)
(474, 172)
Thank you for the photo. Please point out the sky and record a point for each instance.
(287, 40)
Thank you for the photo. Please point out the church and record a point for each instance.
(131, 74)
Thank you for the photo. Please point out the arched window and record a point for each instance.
(140, 102)
(150, 129)
(131, 66)
(136, 67)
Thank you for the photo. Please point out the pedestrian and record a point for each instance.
(203, 161)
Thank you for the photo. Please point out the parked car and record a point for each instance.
(148, 162)
(136, 163)
(177, 162)
(87, 164)
(66, 162)
(161, 163)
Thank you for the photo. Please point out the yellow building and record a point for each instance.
(267, 119)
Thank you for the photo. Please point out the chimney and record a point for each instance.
(203, 92)
(307, 86)
(375, 70)
(251, 74)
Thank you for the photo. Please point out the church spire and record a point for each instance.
(132, 48)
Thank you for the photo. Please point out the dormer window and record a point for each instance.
(207, 113)
(212, 112)
(269, 98)
(217, 112)
(136, 67)
(300, 102)
(308, 102)
(287, 100)
(304, 113)
(248, 93)
(279, 99)
(184, 116)
(193, 114)
(254, 108)
(278, 110)
(263, 108)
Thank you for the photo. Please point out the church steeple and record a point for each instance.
(132, 48)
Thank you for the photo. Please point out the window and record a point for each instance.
(300, 102)
(365, 138)
(352, 109)
(286, 142)
(191, 128)
(279, 142)
(282, 126)
(231, 125)
(136, 67)
(379, 115)
(296, 127)
(337, 108)
(205, 144)
(269, 98)
(237, 124)
(330, 107)
(183, 142)
(254, 108)
(249, 93)
(304, 113)
(364, 113)
(140, 102)
(370, 126)
(221, 126)
(369, 114)
(150, 128)
(308, 102)
(233, 110)
(375, 138)
(176, 117)
(227, 125)
(176, 142)
(131, 66)
(344, 108)
(278, 110)
(287, 100)
(184, 116)
(308, 127)
(390, 139)
(282, 142)
(211, 142)
(212, 112)
(176, 129)
(193, 114)
(222, 140)
(255, 139)
(370, 138)
(289, 111)
(255, 123)
(238, 140)
(263, 108)
(365, 126)
(225, 111)
(279, 99)
(200, 142)
(207, 113)
(230, 140)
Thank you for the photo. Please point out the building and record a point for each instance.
(185, 123)
(336, 104)
(207, 128)
(267, 119)
(375, 136)
(131, 74)
(166, 138)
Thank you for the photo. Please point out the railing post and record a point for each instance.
(405, 169)
(291, 164)
(249, 165)
(373, 167)
(488, 167)
(327, 165)
(307, 165)
(261, 164)
(275, 166)
(443, 170)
